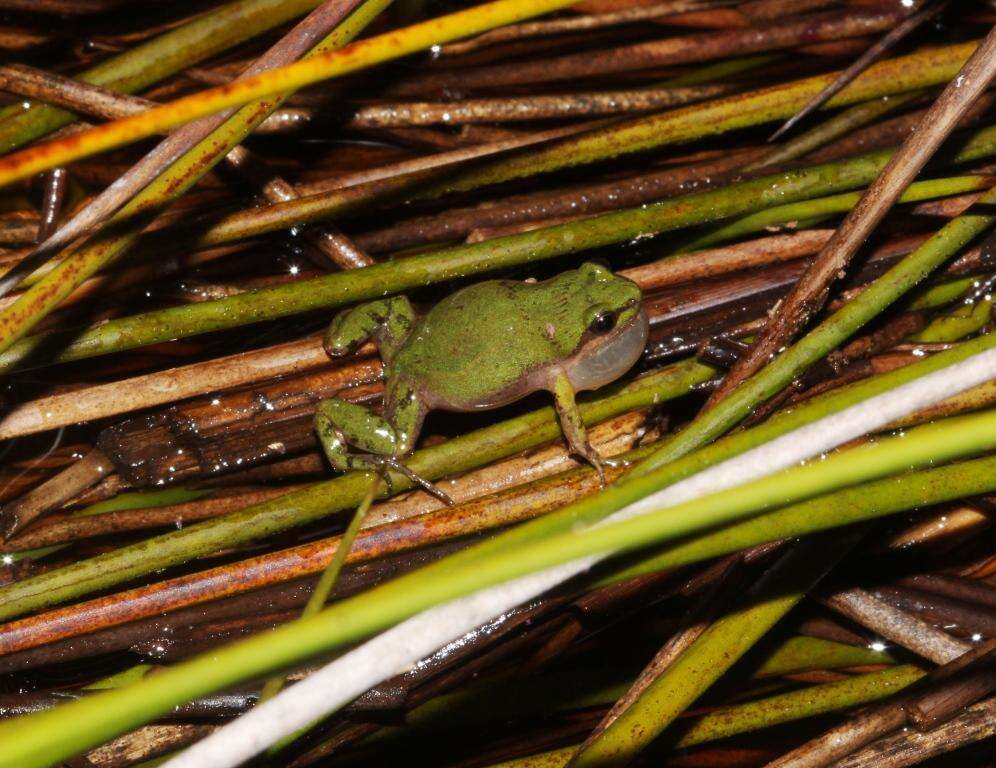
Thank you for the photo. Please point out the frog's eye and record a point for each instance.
(603, 322)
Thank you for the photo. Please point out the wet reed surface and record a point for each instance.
(162, 362)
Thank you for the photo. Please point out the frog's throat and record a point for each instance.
(603, 359)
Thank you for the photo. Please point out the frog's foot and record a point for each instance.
(599, 463)
(383, 464)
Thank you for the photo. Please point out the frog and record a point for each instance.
(484, 346)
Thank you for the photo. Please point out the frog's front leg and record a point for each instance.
(388, 321)
(573, 427)
(383, 441)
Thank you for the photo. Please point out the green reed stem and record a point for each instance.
(256, 522)
(713, 653)
(43, 739)
(725, 722)
(461, 261)
(822, 207)
(508, 696)
(77, 264)
(903, 74)
(835, 127)
(874, 299)
(165, 55)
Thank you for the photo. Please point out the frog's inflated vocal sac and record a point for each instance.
(482, 347)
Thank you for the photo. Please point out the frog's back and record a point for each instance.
(477, 348)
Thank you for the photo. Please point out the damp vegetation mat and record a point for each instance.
(510, 384)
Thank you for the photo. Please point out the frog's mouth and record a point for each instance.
(602, 359)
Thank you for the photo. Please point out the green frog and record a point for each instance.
(482, 347)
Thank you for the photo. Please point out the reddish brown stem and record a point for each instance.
(55, 184)
(956, 587)
(523, 108)
(957, 618)
(172, 384)
(941, 704)
(566, 25)
(390, 528)
(339, 250)
(872, 723)
(812, 290)
(657, 53)
(869, 57)
(909, 747)
(53, 493)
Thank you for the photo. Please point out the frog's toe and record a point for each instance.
(335, 347)
(438, 492)
(392, 462)
(599, 463)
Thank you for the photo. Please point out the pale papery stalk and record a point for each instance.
(116, 398)
(407, 642)
(896, 625)
(909, 747)
(172, 384)
(812, 290)
(610, 438)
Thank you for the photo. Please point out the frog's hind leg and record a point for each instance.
(388, 321)
(341, 424)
